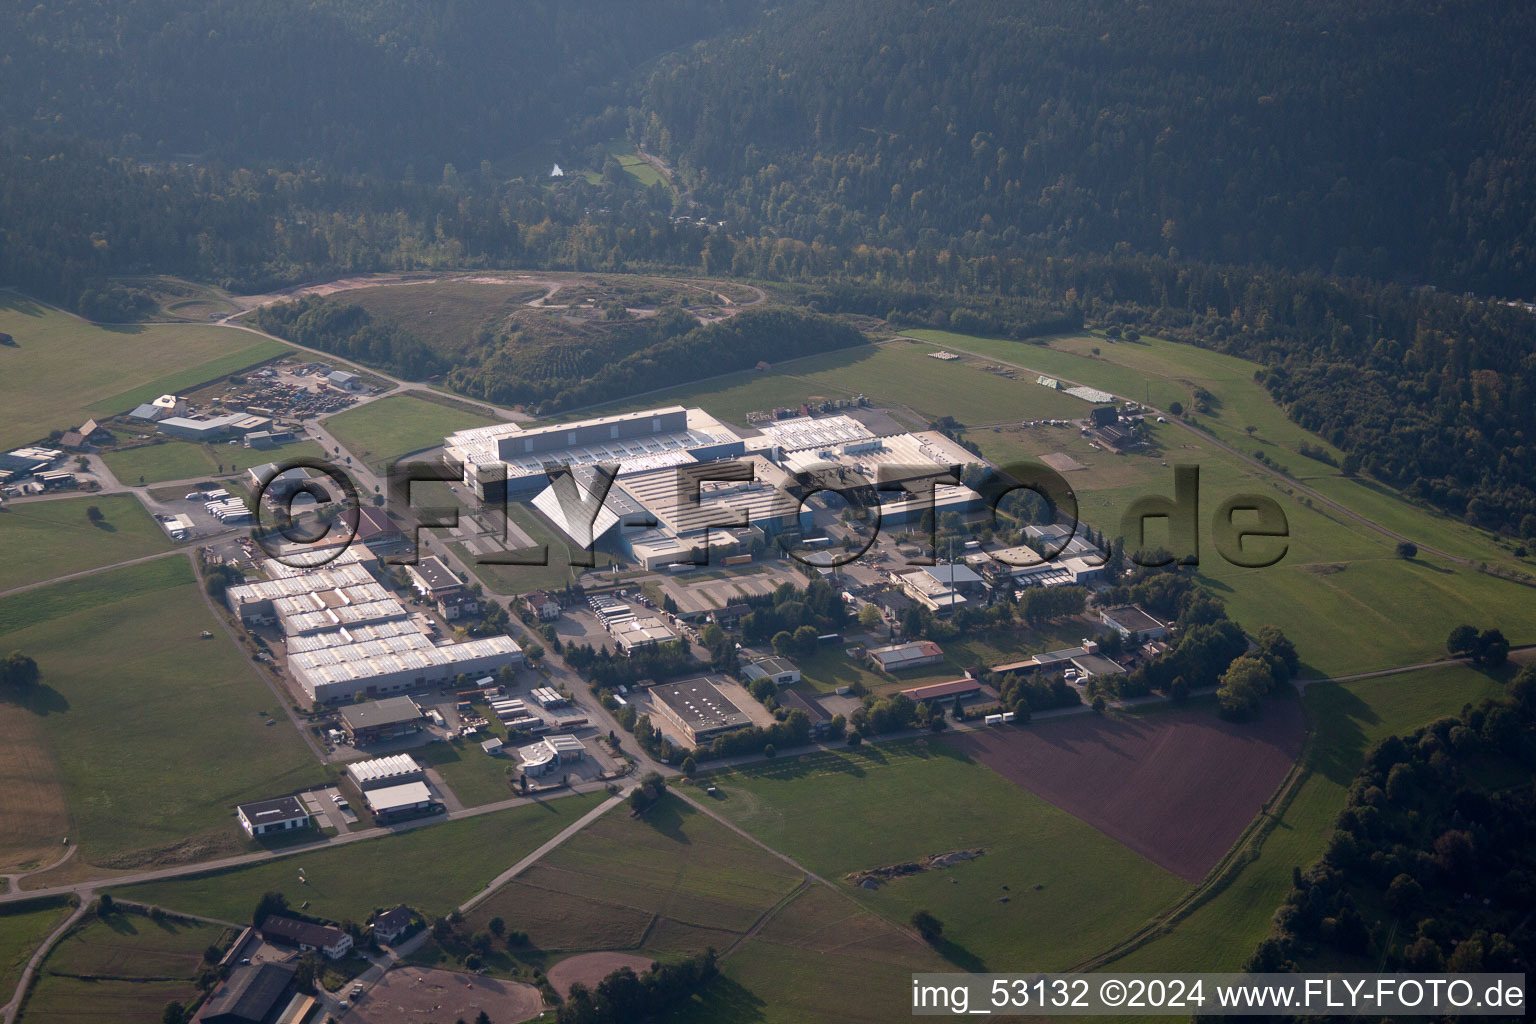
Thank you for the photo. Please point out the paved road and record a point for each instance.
(239, 860)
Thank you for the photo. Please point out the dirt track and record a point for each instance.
(591, 968)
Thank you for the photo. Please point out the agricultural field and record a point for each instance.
(670, 883)
(1345, 720)
(113, 716)
(1148, 780)
(351, 880)
(1047, 890)
(23, 927)
(122, 968)
(846, 965)
(157, 463)
(63, 370)
(382, 431)
(40, 540)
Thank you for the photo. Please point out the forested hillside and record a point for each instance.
(356, 84)
(1310, 184)
(1387, 138)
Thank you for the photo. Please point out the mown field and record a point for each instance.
(1048, 890)
(122, 968)
(433, 868)
(669, 884)
(63, 371)
(382, 431)
(173, 460)
(142, 717)
(41, 540)
(1346, 719)
(845, 965)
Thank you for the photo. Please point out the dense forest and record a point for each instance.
(388, 85)
(1382, 138)
(1432, 865)
(1307, 184)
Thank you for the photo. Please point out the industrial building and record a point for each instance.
(961, 688)
(433, 579)
(666, 502)
(943, 588)
(1130, 619)
(548, 754)
(391, 803)
(379, 772)
(212, 428)
(369, 644)
(780, 671)
(381, 720)
(897, 657)
(1086, 660)
(698, 708)
(266, 817)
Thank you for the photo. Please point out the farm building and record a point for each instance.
(385, 771)
(780, 670)
(1129, 619)
(961, 688)
(254, 994)
(897, 657)
(381, 720)
(698, 708)
(265, 817)
(306, 935)
(393, 802)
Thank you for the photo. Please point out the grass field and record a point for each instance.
(41, 540)
(382, 431)
(624, 151)
(843, 812)
(433, 869)
(474, 776)
(847, 965)
(23, 927)
(134, 707)
(123, 968)
(156, 463)
(64, 370)
(625, 883)
(1347, 719)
